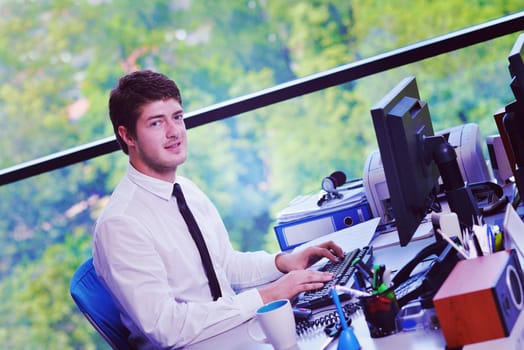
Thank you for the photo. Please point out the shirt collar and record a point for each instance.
(159, 188)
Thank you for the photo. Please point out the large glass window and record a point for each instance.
(58, 61)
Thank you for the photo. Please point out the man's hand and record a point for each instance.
(304, 258)
(294, 283)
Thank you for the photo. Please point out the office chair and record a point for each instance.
(97, 305)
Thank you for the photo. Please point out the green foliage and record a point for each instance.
(40, 306)
(59, 60)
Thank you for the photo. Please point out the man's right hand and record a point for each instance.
(293, 283)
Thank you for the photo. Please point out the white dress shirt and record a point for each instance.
(146, 257)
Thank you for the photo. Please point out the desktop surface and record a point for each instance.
(238, 339)
(394, 257)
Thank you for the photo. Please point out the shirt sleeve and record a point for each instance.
(133, 272)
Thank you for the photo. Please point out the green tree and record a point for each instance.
(59, 59)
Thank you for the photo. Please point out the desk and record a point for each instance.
(238, 339)
(394, 257)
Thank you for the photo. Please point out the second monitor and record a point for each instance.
(413, 158)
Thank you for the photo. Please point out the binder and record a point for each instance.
(295, 232)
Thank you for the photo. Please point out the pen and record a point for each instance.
(366, 271)
(351, 291)
(359, 280)
(491, 239)
(476, 243)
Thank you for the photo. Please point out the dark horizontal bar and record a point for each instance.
(356, 70)
(312, 83)
(58, 160)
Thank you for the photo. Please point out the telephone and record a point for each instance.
(422, 277)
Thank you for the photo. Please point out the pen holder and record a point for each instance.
(380, 311)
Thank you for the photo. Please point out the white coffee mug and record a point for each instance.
(278, 324)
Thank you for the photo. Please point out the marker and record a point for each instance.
(382, 289)
(378, 275)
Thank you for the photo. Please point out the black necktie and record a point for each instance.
(199, 241)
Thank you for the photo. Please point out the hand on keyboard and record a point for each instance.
(297, 279)
(293, 283)
(343, 272)
(303, 259)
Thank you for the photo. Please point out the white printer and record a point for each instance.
(466, 140)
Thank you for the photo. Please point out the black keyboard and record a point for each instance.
(343, 274)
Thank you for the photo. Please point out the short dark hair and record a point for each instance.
(133, 91)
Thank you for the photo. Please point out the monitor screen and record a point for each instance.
(414, 158)
(514, 113)
(401, 121)
(516, 69)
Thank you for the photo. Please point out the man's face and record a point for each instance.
(160, 144)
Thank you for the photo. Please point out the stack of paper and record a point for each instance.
(350, 238)
(305, 206)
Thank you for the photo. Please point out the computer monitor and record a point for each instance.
(413, 158)
(514, 112)
(516, 68)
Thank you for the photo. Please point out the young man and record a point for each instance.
(143, 250)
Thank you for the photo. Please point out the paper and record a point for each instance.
(481, 232)
(307, 205)
(513, 229)
(388, 239)
(350, 238)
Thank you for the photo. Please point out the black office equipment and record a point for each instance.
(343, 275)
(329, 185)
(412, 282)
(413, 157)
(513, 119)
(327, 320)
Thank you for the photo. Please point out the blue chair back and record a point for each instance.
(97, 305)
